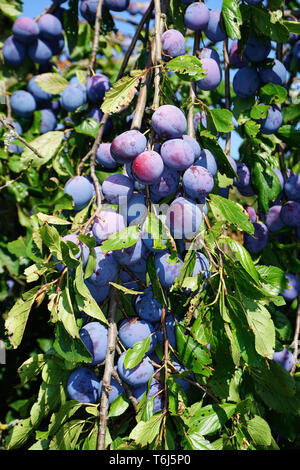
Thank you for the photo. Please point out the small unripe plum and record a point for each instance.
(256, 242)
(14, 52)
(50, 27)
(139, 374)
(290, 213)
(246, 82)
(83, 385)
(106, 269)
(104, 157)
(73, 96)
(133, 330)
(25, 30)
(96, 88)
(256, 51)
(183, 218)
(108, 223)
(173, 43)
(117, 188)
(94, 335)
(81, 190)
(198, 182)
(147, 167)
(272, 122)
(127, 146)
(213, 75)
(177, 154)
(213, 30)
(22, 103)
(208, 161)
(284, 358)
(275, 74)
(196, 16)
(169, 122)
(40, 51)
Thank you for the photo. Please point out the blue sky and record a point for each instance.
(33, 8)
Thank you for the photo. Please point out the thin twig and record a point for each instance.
(227, 91)
(159, 28)
(8, 126)
(97, 29)
(190, 119)
(296, 338)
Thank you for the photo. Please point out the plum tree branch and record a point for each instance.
(97, 29)
(227, 91)
(190, 118)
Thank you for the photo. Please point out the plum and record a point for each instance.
(136, 209)
(40, 96)
(251, 213)
(197, 182)
(183, 218)
(257, 51)
(272, 122)
(106, 269)
(148, 236)
(208, 161)
(292, 188)
(173, 43)
(99, 293)
(116, 188)
(213, 30)
(48, 122)
(40, 51)
(296, 51)
(170, 330)
(273, 219)
(116, 5)
(202, 266)
(96, 88)
(139, 374)
(234, 57)
(184, 384)
(133, 330)
(50, 27)
(196, 16)
(147, 167)
(115, 390)
(243, 182)
(127, 146)
(275, 74)
(73, 96)
(169, 122)
(210, 53)
(81, 189)
(14, 52)
(292, 290)
(213, 74)
(246, 82)
(177, 154)
(155, 392)
(194, 144)
(290, 213)
(22, 103)
(284, 358)
(256, 242)
(25, 30)
(104, 157)
(94, 335)
(147, 306)
(88, 9)
(83, 385)
(108, 223)
(57, 45)
(166, 185)
(83, 250)
(166, 269)
(132, 254)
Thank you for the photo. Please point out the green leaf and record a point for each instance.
(71, 349)
(62, 415)
(20, 434)
(52, 219)
(146, 431)
(88, 126)
(259, 111)
(265, 183)
(271, 93)
(191, 354)
(222, 119)
(210, 418)
(210, 142)
(122, 92)
(293, 27)
(232, 18)
(9, 10)
(290, 135)
(195, 441)
(135, 355)
(232, 212)
(118, 406)
(47, 145)
(71, 24)
(188, 67)
(51, 239)
(243, 256)
(259, 431)
(272, 279)
(252, 128)
(52, 83)
(123, 239)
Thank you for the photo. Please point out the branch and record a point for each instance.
(159, 28)
(8, 126)
(296, 338)
(96, 36)
(227, 91)
(190, 119)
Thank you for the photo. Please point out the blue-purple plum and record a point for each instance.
(275, 74)
(139, 374)
(81, 190)
(148, 239)
(82, 250)
(273, 219)
(136, 209)
(88, 9)
(96, 88)
(48, 121)
(177, 154)
(169, 122)
(292, 188)
(196, 16)
(116, 188)
(280, 176)
(200, 117)
(243, 182)
(213, 30)
(25, 30)
(166, 185)
(147, 306)
(50, 27)
(155, 390)
(234, 57)
(73, 96)
(57, 45)
(134, 8)
(166, 269)
(173, 43)
(94, 336)
(106, 269)
(115, 390)
(184, 218)
(290, 213)
(213, 75)
(272, 122)
(104, 157)
(202, 266)
(246, 82)
(194, 144)
(14, 52)
(170, 330)
(40, 96)
(40, 51)
(224, 192)
(127, 146)
(97, 114)
(293, 288)
(257, 51)
(257, 241)
(83, 385)
(210, 53)
(99, 293)
(132, 254)
(208, 161)
(108, 223)
(116, 5)
(253, 2)
(197, 182)
(284, 358)
(147, 167)
(296, 51)
(22, 103)
(133, 330)
(251, 213)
